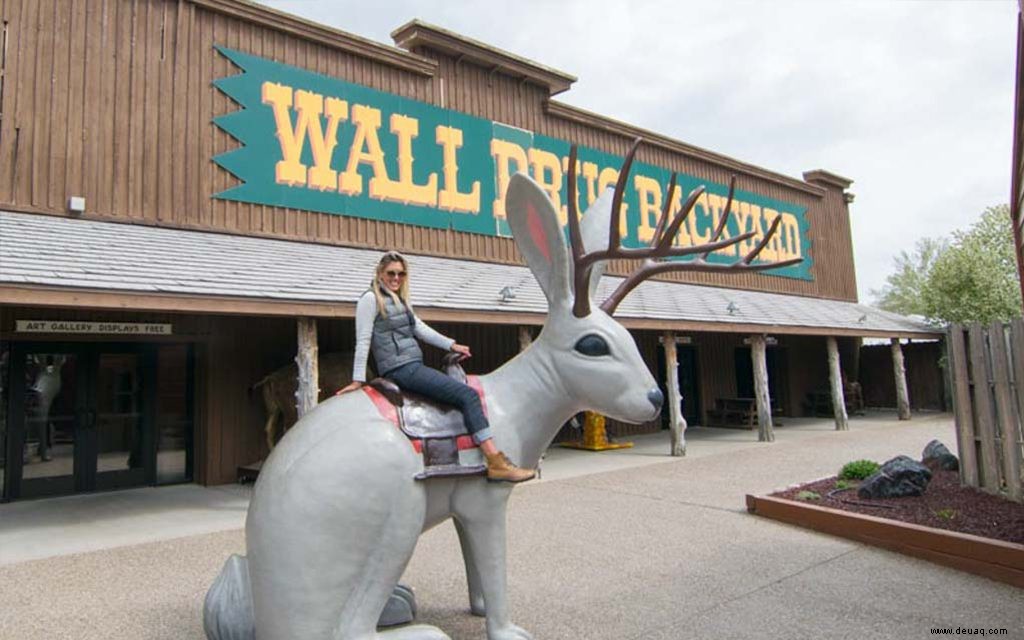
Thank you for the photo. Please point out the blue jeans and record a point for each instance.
(418, 378)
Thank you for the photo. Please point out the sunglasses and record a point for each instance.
(395, 274)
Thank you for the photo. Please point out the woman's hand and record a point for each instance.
(463, 349)
(352, 386)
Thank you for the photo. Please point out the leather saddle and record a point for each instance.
(435, 430)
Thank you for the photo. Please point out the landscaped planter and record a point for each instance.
(995, 559)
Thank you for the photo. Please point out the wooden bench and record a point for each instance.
(739, 413)
(734, 412)
(819, 402)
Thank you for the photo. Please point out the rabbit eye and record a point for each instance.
(592, 345)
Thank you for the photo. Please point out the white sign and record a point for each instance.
(75, 326)
(679, 340)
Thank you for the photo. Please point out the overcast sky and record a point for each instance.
(913, 101)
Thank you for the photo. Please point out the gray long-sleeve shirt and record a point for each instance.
(366, 313)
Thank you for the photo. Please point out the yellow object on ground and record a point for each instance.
(595, 438)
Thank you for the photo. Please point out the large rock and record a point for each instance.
(937, 456)
(899, 477)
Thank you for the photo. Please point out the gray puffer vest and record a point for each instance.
(393, 343)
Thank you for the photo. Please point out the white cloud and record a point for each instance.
(912, 100)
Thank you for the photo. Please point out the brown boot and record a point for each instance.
(501, 469)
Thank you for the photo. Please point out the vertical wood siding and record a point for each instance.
(925, 379)
(113, 100)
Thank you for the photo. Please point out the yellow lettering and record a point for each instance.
(589, 172)
(405, 190)
(309, 107)
(716, 205)
(791, 228)
(778, 241)
(547, 173)
(770, 253)
(450, 140)
(748, 217)
(504, 154)
(365, 149)
(649, 194)
(683, 237)
(607, 178)
(701, 210)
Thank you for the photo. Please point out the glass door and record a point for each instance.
(46, 418)
(79, 418)
(121, 453)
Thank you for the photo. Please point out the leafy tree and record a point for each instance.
(975, 278)
(902, 292)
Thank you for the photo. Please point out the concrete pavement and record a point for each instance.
(626, 544)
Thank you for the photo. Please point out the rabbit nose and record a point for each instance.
(656, 398)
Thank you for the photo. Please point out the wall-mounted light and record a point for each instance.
(863, 318)
(507, 294)
(732, 308)
(76, 204)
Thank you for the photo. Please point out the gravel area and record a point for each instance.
(665, 551)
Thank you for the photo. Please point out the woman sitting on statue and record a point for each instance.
(387, 326)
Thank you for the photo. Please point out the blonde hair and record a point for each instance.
(379, 287)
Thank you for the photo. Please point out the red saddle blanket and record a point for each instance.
(421, 418)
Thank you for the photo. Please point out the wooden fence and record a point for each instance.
(987, 367)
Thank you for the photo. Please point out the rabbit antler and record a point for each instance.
(661, 244)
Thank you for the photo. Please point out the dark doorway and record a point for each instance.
(686, 356)
(94, 416)
(775, 362)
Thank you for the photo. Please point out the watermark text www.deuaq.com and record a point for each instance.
(968, 631)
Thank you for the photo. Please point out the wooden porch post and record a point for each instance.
(765, 431)
(835, 378)
(525, 337)
(900, 373)
(677, 423)
(308, 392)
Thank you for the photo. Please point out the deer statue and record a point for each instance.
(278, 390)
(336, 512)
(46, 387)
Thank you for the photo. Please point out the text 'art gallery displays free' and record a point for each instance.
(189, 186)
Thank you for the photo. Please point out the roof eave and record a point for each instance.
(417, 33)
(63, 297)
(314, 31)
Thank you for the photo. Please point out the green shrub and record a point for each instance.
(843, 484)
(858, 469)
(808, 495)
(946, 514)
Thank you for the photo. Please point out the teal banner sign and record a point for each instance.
(316, 143)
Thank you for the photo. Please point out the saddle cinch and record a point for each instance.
(435, 430)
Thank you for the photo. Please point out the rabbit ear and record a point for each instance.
(535, 227)
(594, 232)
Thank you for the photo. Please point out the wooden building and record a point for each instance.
(184, 182)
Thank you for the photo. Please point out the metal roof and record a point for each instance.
(74, 254)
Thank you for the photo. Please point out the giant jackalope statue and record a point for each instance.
(337, 512)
